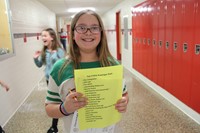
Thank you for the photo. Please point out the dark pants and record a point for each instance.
(1, 130)
(63, 41)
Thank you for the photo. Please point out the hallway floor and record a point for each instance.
(147, 112)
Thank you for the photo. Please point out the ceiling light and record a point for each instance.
(80, 9)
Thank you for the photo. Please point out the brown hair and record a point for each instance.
(102, 49)
(55, 43)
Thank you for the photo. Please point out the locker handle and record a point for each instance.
(167, 45)
(175, 46)
(160, 43)
(149, 41)
(185, 47)
(197, 49)
(154, 42)
(144, 41)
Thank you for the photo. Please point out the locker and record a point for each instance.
(195, 91)
(140, 55)
(177, 49)
(161, 38)
(184, 93)
(134, 56)
(168, 46)
(144, 36)
(154, 42)
(137, 34)
(148, 41)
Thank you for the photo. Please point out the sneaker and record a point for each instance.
(52, 130)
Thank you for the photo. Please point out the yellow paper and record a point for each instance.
(103, 87)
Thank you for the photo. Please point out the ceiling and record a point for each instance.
(60, 7)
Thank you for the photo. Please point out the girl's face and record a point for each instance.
(87, 41)
(46, 38)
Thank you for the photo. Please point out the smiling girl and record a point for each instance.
(88, 49)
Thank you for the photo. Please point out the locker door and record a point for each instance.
(177, 49)
(137, 42)
(148, 41)
(154, 43)
(161, 38)
(144, 46)
(187, 49)
(195, 91)
(133, 40)
(140, 42)
(168, 46)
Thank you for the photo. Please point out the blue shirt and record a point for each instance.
(51, 58)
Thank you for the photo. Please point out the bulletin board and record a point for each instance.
(6, 36)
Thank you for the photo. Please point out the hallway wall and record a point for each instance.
(19, 71)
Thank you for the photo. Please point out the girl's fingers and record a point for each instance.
(121, 105)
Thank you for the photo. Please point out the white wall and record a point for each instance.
(109, 22)
(19, 71)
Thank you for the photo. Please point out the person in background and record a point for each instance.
(3, 85)
(49, 54)
(88, 49)
(63, 38)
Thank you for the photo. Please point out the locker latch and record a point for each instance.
(197, 49)
(185, 47)
(149, 41)
(144, 41)
(136, 40)
(154, 42)
(160, 43)
(175, 46)
(141, 40)
(167, 45)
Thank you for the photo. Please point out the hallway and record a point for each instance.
(147, 112)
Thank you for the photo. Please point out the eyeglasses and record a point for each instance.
(84, 29)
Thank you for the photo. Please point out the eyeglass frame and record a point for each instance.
(88, 28)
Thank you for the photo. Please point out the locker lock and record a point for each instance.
(185, 47)
(197, 49)
(175, 46)
(167, 45)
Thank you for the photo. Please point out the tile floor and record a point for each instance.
(147, 112)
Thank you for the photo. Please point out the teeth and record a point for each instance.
(88, 40)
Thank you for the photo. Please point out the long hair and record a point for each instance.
(103, 53)
(54, 46)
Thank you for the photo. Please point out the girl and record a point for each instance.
(88, 49)
(50, 53)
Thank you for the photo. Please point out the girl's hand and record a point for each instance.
(4, 86)
(121, 104)
(37, 54)
(74, 101)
